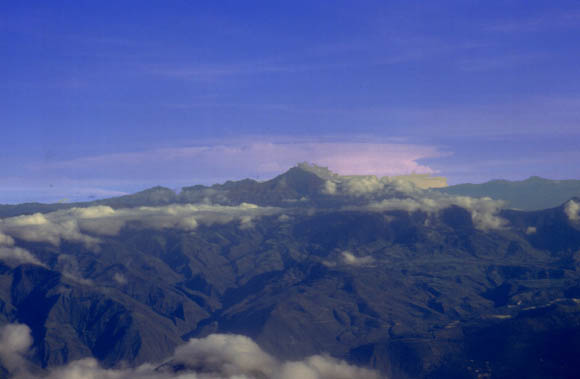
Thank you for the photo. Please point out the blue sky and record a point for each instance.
(106, 97)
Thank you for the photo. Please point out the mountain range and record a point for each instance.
(360, 273)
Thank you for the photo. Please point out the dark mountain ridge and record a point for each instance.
(303, 183)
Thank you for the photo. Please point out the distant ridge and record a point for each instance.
(534, 193)
(305, 182)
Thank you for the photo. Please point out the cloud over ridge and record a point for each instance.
(411, 194)
(86, 224)
(11, 253)
(572, 210)
(217, 356)
(484, 211)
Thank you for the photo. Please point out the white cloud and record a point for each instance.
(484, 211)
(246, 222)
(50, 228)
(18, 255)
(351, 259)
(217, 356)
(319, 367)
(572, 209)
(329, 187)
(360, 185)
(348, 258)
(120, 278)
(226, 355)
(11, 253)
(371, 185)
(82, 224)
(15, 340)
(6, 240)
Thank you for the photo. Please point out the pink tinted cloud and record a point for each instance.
(258, 158)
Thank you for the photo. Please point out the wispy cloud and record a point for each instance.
(216, 70)
(566, 19)
(49, 188)
(222, 105)
(353, 55)
(265, 158)
(499, 62)
(508, 116)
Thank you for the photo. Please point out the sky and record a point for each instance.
(102, 98)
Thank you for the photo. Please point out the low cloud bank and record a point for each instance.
(217, 356)
(572, 209)
(370, 185)
(86, 224)
(18, 255)
(417, 197)
(11, 253)
(484, 211)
